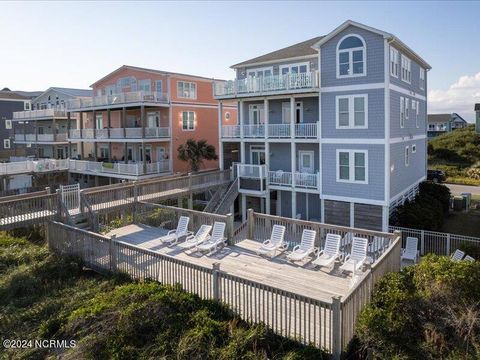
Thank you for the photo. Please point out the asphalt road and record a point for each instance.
(458, 189)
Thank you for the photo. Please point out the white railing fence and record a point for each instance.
(279, 130)
(230, 131)
(117, 99)
(436, 242)
(254, 131)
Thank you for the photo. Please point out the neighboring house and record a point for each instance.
(332, 129)
(477, 118)
(439, 124)
(138, 117)
(9, 103)
(42, 130)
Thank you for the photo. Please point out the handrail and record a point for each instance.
(92, 216)
(63, 212)
(227, 199)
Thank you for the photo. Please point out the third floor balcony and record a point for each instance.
(44, 114)
(126, 99)
(271, 131)
(267, 85)
(120, 133)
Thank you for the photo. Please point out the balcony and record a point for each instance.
(252, 178)
(119, 133)
(33, 166)
(282, 178)
(45, 114)
(135, 98)
(41, 138)
(274, 131)
(275, 84)
(118, 169)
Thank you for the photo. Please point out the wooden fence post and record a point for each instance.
(336, 327)
(113, 254)
(230, 229)
(216, 282)
(250, 224)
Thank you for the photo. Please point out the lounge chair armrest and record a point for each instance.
(284, 246)
(267, 242)
(316, 251)
(295, 248)
(346, 258)
(188, 233)
(320, 252)
(190, 237)
(171, 232)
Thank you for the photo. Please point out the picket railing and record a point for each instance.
(436, 242)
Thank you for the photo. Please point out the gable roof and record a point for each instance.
(29, 94)
(300, 49)
(67, 91)
(123, 67)
(7, 94)
(456, 117)
(439, 118)
(392, 39)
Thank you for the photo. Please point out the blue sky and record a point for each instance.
(73, 44)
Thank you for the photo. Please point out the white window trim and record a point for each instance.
(263, 69)
(306, 152)
(194, 121)
(298, 105)
(350, 57)
(256, 149)
(351, 164)
(405, 60)
(407, 155)
(351, 112)
(144, 81)
(289, 67)
(422, 79)
(414, 148)
(407, 108)
(8, 124)
(256, 107)
(396, 64)
(186, 82)
(415, 106)
(5, 142)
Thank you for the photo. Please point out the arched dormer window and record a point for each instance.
(351, 56)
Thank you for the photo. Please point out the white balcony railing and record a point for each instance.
(267, 84)
(35, 114)
(304, 130)
(297, 179)
(120, 133)
(28, 166)
(133, 133)
(61, 137)
(136, 169)
(118, 99)
(254, 131)
(252, 171)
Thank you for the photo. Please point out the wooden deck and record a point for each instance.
(241, 260)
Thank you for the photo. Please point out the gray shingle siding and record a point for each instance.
(376, 115)
(375, 189)
(374, 59)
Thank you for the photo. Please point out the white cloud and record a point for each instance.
(460, 97)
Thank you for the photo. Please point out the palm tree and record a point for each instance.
(194, 152)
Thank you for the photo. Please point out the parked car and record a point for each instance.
(437, 176)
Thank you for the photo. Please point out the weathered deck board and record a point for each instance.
(241, 260)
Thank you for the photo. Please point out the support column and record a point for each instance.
(352, 214)
(322, 211)
(220, 143)
(243, 209)
(95, 151)
(170, 146)
(292, 117)
(294, 204)
(123, 121)
(142, 120)
(36, 138)
(109, 124)
(80, 126)
(385, 218)
(267, 153)
(241, 120)
(14, 125)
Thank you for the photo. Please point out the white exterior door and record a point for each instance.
(160, 153)
(305, 164)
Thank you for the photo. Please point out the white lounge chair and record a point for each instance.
(457, 255)
(357, 257)
(173, 236)
(468, 258)
(411, 250)
(275, 243)
(194, 240)
(218, 238)
(306, 247)
(330, 252)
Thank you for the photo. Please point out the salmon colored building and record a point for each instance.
(133, 125)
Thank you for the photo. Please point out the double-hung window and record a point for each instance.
(416, 111)
(352, 111)
(394, 69)
(186, 90)
(422, 79)
(351, 57)
(6, 143)
(8, 124)
(188, 121)
(352, 166)
(406, 72)
(144, 85)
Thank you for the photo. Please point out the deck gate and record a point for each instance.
(71, 197)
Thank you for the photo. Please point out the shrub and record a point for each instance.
(431, 311)
(439, 192)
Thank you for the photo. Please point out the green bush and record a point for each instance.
(427, 311)
(439, 192)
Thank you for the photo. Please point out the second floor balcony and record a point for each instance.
(265, 85)
(41, 138)
(273, 131)
(44, 114)
(118, 169)
(120, 133)
(135, 98)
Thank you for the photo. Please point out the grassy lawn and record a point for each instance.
(464, 223)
